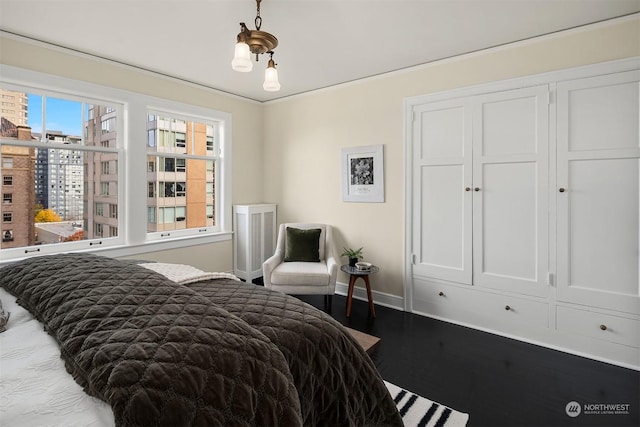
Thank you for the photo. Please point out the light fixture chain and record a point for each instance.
(258, 17)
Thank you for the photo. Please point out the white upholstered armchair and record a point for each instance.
(304, 263)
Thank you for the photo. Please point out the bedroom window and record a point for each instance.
(65, 151)
(186, 186)
(59, 154)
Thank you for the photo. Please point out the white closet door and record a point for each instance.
(598, 191)
(441, 206)
(510, 183)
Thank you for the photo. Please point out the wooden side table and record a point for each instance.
(354, 273)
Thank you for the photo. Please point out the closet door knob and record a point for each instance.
(467, 188)
(506, 307)
(603, 327)
(562, 190)
(476, 189)
(441, 293)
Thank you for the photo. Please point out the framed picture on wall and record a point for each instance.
(363, 174)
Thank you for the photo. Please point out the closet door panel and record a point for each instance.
(509, 127)
(598, 194)
(509, 246)
(442, 237)
(442, 135)
(441, 206)
(595, 115)
(510, 204)
(604, 239)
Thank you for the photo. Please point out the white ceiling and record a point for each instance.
(321, 43)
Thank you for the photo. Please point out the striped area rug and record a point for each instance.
(417, 411)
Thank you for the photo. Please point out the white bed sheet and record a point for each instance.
(35, 388)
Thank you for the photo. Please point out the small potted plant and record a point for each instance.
(353, 255)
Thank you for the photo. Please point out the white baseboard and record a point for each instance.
(379, 298)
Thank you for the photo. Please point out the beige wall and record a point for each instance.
(304, 135)
(207, 257)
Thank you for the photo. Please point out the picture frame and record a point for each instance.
(363, 174)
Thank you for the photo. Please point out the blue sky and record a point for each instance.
(63, 115)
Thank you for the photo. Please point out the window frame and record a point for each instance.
(162, 153)
(57, 184)
(133, 109)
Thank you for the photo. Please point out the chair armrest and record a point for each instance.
(332, 265)
(268, 266)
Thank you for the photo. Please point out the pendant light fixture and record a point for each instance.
(271, 83)
(256, 42)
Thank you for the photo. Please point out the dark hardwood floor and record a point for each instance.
(497, 381)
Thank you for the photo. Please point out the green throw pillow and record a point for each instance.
(302, 245)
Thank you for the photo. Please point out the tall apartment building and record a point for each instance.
(17, 208)
(14, 107)
(100, 174)
(169, 205)
(59, 181)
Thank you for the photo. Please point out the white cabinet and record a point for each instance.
(598, 193)
(441, 206)
(254, 238)
(525, 209)
(480, 190)
(510, 175)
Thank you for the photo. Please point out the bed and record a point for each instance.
(200, 351)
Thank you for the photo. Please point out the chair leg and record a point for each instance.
(328, 300)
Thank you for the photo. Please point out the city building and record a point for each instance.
(18, 199)
(59, 177)
(14, 107)
(169, 205)
(100, 176)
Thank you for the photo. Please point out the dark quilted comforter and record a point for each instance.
(212, 353)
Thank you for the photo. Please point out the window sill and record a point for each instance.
(148, 247)
(164, 244)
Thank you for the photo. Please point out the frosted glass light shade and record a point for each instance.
(271, 83)
(242, 59)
